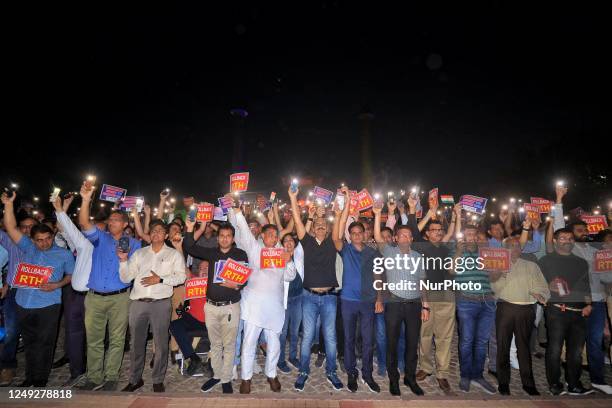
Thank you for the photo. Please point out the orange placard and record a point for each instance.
(602, 261)
(235, 272)
(31, 276)
(195, 288)
(432, 199)
(543, 204)
(271, 258)
(495, 259)
(239, 182)
(532, 211)
(205, 212)
(595, 223)
(364, 200)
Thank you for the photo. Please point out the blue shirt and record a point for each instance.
(14, 254)
(104, 276)
(493, 243)
(3, 257)
(351, 275)
(62, 262)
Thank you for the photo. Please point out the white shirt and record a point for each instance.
(168, 264)
(262, 298)
(298, 261)
(83, 248)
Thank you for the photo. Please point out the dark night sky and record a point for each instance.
(494, 99)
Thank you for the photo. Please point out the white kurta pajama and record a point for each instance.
(262, 304)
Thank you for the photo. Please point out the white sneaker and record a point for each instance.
(605, 388)
(235, 373)
(257, 369)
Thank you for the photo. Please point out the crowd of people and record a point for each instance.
(118, 280)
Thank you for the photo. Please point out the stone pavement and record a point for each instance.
(186, 391)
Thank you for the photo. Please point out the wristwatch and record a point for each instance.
(310, 219)
(527, 229)
(425, 308)
(161, 280)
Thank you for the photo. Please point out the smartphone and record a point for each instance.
(124, 244)
(340, 201)
(68, 195)
(294, 185)
(192, 215)
(272, 197)
(54, 195)
(90, 181)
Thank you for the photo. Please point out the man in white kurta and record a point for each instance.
(262, 304)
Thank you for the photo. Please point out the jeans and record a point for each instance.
(351, 310)
(314, 306)
(8, 356)
(475, 320)
(594, 338)
(183, 330)
(381, 344)
(291, 328)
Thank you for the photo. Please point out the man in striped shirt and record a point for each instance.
(475, 312)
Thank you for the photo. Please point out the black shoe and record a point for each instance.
(580, 390)
(503, 389)
(195, 368)
(493, 373)
(414, 387)
(227, 388)
(352, 383)
(371, 384)
(60, 363)
(210, 384)
(531, 390)
(39, 384)
(133, 387)
(394, 388)
(159, 387)
(557, 389)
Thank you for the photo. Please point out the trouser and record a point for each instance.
(74, 325)
(493, 349)
(381, 343)
(39, 330)
(408, 313)
(249, 350)
(475, 320)
(319, 334)
(594, 340)
(182, 330)
(314, 306)
(569, 327)
(441, 325)
(291, 328)
(8, 355)
(101, 311)
(518, 321)
(142, 315)
(351, 312)
(177, 298)
(222, 324)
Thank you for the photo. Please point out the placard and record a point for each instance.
(364, 200)
(495, 259)
(532, 211)
(225, 203)
(195, 288)
(129, 202)
(271, 258)
(432, 198)
(473, 204)
(447, 199)
(31, 276)
(204, 212)
(543, 204)
(595, 223)
(602, 261)
(235, 272)
(111, 193)
(239, 182)
(323, 194)
(218, 267)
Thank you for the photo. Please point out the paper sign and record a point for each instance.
(364, 200)
(323, 194)
(432, 199)
(495, 259)
(112, 193)
(218, 267)
(205, 212)
(353, 200)
(129, 202)
(195, 288)
(602, 261)
(225, 203)
(234, 271)
(239, 182)
(543, 204)
(271, 258)
(473, 203)
(31, 276)
(595, 223)
(447, 199)
(532, 211)
(218, 215)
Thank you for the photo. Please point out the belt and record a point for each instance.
(116, 292)
(477, 297)
(329, 292)
(222, 303)
(564, 308)
(150, 300)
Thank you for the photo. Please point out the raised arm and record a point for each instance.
(244, 238)
(557, 210)
(189, 244)
(162, 204)
(147, 220)
(86, 193)
(297, 219)
(75, 239)
(10, 223)
(524, 238)
(377, 235)
(138, 226)
(340, 221)
(200, 231)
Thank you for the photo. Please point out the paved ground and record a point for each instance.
(185, 391)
